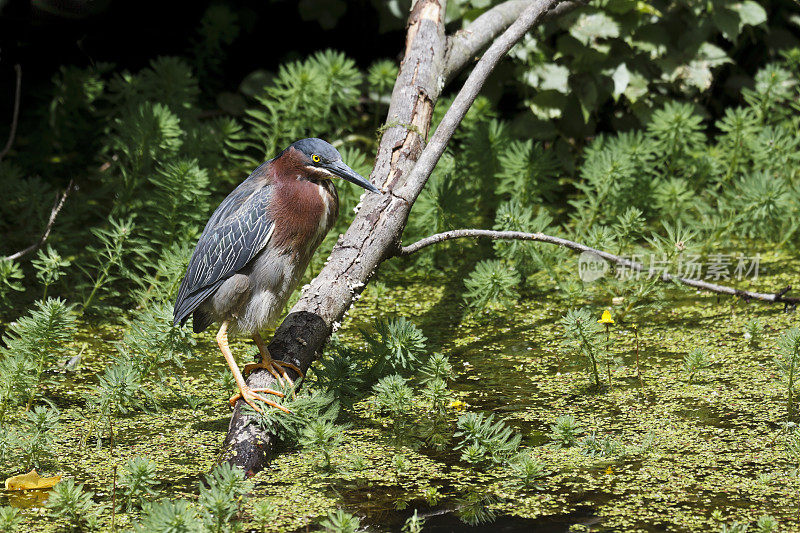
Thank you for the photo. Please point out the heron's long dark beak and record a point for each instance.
(343, 171)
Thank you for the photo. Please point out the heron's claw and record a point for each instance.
(270, 366)
(250, 395)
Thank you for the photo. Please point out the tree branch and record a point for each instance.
(53, 214)
(465, 44)
(15, 117)
(779, 296)
(402, 167)
(532, 14)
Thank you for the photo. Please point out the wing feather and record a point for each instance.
(237, 231)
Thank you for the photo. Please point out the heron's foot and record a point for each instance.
(273, 366)
(250, 395)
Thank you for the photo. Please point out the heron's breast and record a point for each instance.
(303, 212)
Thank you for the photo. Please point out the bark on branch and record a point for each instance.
(402, 167)
(779, 296)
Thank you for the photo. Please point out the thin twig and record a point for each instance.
(15, 117)
(779, 296)
(53, 214)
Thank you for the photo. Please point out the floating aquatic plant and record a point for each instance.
(788, 361)
(695, 361)
(565, 431)
(484, 440)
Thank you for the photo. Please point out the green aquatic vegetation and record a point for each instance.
(137, 481)
(342, 373)
(340, 521)
(396, 347)
(119, 391)
(264, 512)
(306, 407)
(767, 524)
(70, 501)
(754, 331)
(10, 280)
(394, 396)
(788, 362)
(34, 343)
(565, 431)
(436, 367)
(221, 499)
(10, 519)
(598, 447)
(400, 466)
(695, 361)
(526, 469)
(153, 344)
(483, 440)
(582, 335)
(40, 432)
(414, 523)
(49, 267)
(735, 527)
(322, 437)
(173, 516)
(316, 96)
(116, 245)
(492, 283)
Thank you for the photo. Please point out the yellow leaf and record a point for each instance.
(31, 480)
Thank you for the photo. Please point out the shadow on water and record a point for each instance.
(449, 522)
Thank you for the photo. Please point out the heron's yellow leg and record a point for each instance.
(245, 393)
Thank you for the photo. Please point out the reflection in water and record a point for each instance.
(24, 499)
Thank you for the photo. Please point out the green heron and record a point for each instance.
(255, 248)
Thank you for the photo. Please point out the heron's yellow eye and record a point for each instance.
(315, 158)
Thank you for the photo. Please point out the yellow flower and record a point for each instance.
(606, 318)
(458, 405)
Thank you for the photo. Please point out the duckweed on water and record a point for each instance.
(664, 455)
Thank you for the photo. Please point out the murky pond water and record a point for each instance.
(689, 456)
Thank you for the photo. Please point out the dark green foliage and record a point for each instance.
(49, 265)
(152, 343)
(584, 337)
(601, 447)
(10, 276)
(322, 437)
(394, 396)
(311, 98)
(695, 361)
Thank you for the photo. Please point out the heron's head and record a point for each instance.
(323, 161)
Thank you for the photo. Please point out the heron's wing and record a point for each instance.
(237, 231)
